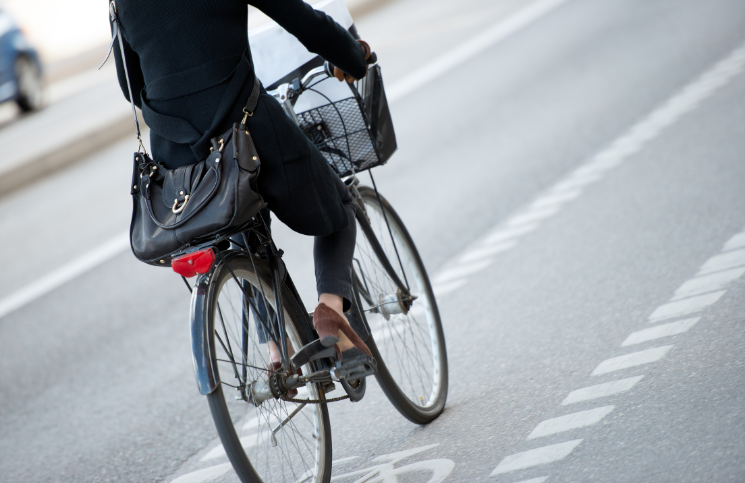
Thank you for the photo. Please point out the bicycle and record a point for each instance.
(242, 280)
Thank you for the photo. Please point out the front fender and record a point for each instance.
(207, 377)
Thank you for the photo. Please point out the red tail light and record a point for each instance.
(193, 263)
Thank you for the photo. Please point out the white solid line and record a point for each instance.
(668, 113)
(685, 306)
(64, 274)
(540, 479)
(461, 271)
(574, 181)
(504, 234)
(470, 48)
(737, 241)
(664, 330)
(202, 476)
(487, 251)
(601, 390)
(724, 261)
(708, 283)
(536, 457)
(533, 215)
(446, 288)
(631, 360)
(576, 420)
(555, 199)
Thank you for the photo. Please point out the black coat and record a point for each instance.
(191, 71)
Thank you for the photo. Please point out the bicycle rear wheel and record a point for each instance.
(259, 446)
(409, 346)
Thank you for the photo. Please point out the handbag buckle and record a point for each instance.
(180, 208)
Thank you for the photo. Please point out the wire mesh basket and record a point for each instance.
(356, 133)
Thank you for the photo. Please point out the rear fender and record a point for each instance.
(202, 357)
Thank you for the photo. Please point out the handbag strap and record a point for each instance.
(116, 29)
(116, 33)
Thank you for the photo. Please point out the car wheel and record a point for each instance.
(30, 95)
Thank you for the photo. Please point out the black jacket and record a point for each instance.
(191, 71)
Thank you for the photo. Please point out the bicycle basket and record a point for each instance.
(356, 133)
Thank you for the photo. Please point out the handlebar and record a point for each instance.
(328, 69)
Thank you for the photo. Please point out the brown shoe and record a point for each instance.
(328, 323)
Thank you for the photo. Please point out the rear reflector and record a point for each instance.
(193, 263)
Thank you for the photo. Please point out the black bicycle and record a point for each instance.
(244, 299)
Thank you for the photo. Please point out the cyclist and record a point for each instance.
(191, 71)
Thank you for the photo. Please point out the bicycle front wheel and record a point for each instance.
(409, 345)
(269, 440)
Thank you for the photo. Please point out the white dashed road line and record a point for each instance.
(664, 330)
(536, 457)
(708, 283)
(685, 306)
(570, 421)
(632, 360)
(724, 261)
(601, 390)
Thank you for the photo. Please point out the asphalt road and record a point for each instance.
(592, 126)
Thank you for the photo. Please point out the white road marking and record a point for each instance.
(708, 283)
(207, 474)
(601, 390)
(470, 49)
(724, 261)
(536, 457)
(487, 251)
(64, 274)
(504, 234)
(540, 479)
(575, 181)
(685, 306)
(247, 442)
(737, 241)
(664, 330)
(461, 271)
(533, 215)
(576, 420)
(446, 288)
(555, 199)
(631, 360)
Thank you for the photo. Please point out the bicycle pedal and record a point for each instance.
(354, 368)
(310, 352)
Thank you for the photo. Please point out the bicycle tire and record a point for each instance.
(389, 348)
(232, 418)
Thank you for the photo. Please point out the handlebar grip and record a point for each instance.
(373, 58)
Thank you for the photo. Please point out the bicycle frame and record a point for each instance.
(203, 359)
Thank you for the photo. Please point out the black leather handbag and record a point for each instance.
(175, 208)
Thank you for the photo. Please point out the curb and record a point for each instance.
(74, 150)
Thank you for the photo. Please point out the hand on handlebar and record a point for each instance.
(369, 56)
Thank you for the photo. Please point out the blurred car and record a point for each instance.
(20, 68)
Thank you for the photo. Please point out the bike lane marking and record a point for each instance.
(568, 422)
(660, 331)
(601, 390)
(571, 187)
(551, 453)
